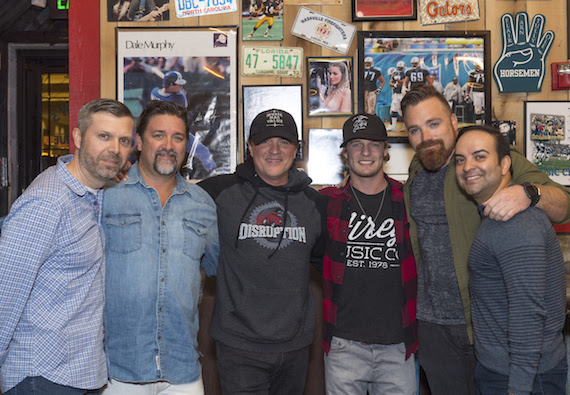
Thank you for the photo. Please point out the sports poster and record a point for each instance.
(547, 138)
(195, 68)
(262, 20)
(406, 62)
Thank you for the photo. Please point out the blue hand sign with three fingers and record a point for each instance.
(521, 65)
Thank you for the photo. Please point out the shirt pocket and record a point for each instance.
(195, 235)
(123, 232)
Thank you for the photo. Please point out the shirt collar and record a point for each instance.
(182, 186)
(68, 179)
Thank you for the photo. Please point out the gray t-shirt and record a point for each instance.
(439, 300)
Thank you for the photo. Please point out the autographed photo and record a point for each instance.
(393, 63)
(194, 68)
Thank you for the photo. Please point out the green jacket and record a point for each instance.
(463, 218)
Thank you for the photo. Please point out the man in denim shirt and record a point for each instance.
(52, 273)
(160, 230)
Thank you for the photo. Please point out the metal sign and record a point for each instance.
(278, 61)
(323, 30)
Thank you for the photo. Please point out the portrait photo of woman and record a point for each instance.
(330, 86)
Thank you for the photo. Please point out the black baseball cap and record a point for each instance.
(364, 126)
(273, 123)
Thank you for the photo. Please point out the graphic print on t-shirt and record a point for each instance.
(372, 245)
(266, 223)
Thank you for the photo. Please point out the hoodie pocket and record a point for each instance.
(269, 316)
(123, 232)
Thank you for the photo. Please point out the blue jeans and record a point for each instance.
(262, 373)
(355, 368)
(552, 381)
(37, 385)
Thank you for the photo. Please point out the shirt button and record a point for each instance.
(160, 309)
(122, 224)
(338, 277)
(95, 203)
(160, 338)
(162, 279)
(163, 223)
(163, 250)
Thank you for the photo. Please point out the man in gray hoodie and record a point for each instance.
(270, 228)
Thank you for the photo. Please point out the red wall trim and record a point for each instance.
(84, 58)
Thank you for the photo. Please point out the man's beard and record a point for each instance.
(96, 167)
(433, 159)
(165, 168)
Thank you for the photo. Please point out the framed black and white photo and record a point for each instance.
(258, 98)
(329, 86)
(547, 138)
(195, 67)
(391, 63)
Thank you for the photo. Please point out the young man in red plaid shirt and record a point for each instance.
(369, 273)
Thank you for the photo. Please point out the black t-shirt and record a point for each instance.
(371, 296)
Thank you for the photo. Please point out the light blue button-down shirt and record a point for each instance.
(51, 284)
(154, 254)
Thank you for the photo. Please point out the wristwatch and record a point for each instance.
(532, 192)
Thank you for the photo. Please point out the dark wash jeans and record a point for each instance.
(447, 358)
(37, 385)
(552, 381)
(262, 373)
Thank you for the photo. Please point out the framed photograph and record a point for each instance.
(547, 138)
(386, 10)
(138, 10)
(324, 165)
(329, 87)
(391, 63)
(258, 98)
(508, 129)
(196, 68)
(262, 20)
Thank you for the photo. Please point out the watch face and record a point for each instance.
(533, 194)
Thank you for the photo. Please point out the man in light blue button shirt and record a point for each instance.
(160, 230)
(52, 264)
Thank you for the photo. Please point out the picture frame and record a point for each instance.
(547, 138)
(259, 98)
(205, 64)
(388, 10)
(137, 11)
(324, 165)
(255, 18)
(508, 129)
(329, 86)
(445, 54)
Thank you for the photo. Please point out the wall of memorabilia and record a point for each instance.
(329, 51)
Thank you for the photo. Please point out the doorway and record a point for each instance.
(38, 111)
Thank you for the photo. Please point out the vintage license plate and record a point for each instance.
(277, 61)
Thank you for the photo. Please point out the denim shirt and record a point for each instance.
(154, 255)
